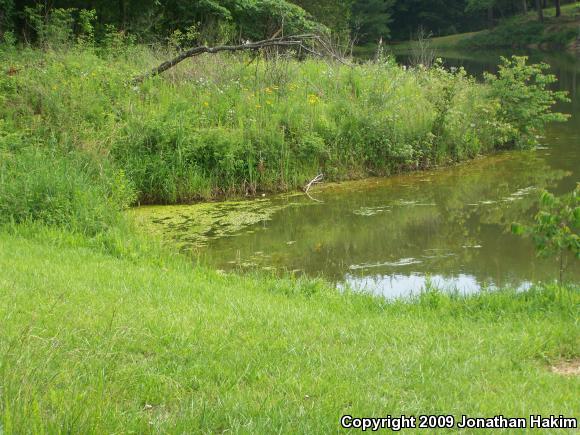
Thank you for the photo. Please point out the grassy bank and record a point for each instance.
(92, 343)
(104, 331)
(233, 125)
(521, 31)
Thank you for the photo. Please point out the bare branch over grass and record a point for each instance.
(309, 43)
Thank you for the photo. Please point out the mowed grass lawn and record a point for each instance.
(570, 17)
(90, 343)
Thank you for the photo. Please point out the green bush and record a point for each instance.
(556, 230)
(526, 98)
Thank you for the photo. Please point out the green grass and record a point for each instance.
(104, 331)
(571, 10)
(440, 42)
(230, 125)
(91, 343)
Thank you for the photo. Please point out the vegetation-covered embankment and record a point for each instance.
(232, 125)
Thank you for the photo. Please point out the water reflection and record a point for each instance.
(396, 286)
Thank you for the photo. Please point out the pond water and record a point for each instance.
(393, 236)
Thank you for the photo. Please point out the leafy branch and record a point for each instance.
(556, 230)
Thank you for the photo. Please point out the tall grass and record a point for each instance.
(236, 125)
(37, 185)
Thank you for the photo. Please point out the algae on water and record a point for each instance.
(190, 227)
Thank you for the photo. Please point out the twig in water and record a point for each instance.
(313, 199)
(315, 180)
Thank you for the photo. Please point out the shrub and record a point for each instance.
(526, 99)
(53, 28)
(556, 230)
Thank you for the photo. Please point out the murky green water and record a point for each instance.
(392, 236)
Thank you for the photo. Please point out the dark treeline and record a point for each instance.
(362, 21)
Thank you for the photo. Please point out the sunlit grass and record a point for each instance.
(92, 343)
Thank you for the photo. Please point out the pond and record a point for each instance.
(448, 227)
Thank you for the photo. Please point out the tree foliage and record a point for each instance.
(439, 17)
(366, 21)
(215, 20)
(334, 14)
(371, 19)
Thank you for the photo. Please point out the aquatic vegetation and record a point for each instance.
(190, 227)
(452, 221)
(398, 263)
(371, 211)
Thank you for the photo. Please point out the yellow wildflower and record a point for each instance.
(313, 99)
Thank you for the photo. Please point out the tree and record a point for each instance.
(479, 5)
(558, 8)
(370, 19)
(6, 11)
(540, 11)
(334, 14)
(215, 20)
(438, 17)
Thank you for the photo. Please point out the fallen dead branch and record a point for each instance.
(309, 43)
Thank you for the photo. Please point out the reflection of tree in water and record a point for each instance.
(441, 222)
